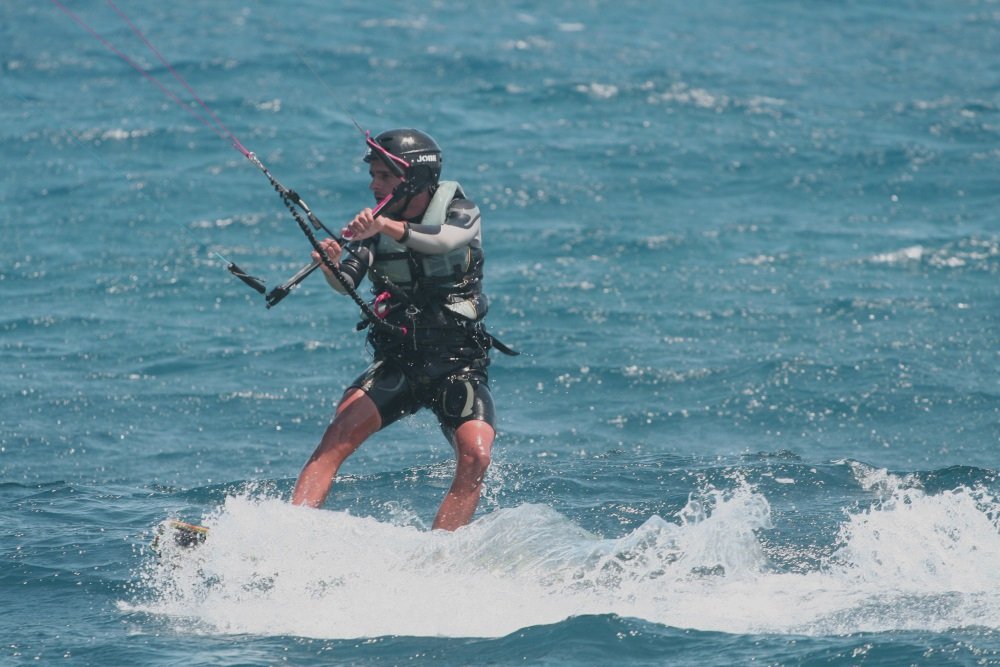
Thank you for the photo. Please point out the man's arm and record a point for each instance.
(353, 267)
(461, 227)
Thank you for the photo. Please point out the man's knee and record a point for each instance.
(473, 445)
(474, 459)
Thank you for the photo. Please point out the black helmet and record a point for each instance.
(416, 148)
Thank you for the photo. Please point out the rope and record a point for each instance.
(292, 202)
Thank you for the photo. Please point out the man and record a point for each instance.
(424, 256)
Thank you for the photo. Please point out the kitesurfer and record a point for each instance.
(424, 258)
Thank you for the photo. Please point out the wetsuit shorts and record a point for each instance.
(455, 398)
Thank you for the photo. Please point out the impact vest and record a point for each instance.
(435, 275)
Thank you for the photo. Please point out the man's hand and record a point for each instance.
(332, 250)
(364, 225)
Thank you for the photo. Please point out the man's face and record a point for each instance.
(383, 180)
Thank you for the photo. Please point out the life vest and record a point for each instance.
(450, 281)
(434, 276)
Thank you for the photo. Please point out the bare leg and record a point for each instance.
(356, 419)
(473, 444)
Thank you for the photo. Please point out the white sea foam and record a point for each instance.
(909, 254)
(910, 561)
(977, 253)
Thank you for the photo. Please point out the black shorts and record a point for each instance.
(458, 397)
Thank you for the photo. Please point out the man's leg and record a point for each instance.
(473, 443)
(356, 419)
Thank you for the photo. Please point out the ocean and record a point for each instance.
(749, 252)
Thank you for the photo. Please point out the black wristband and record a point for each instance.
(406, 232)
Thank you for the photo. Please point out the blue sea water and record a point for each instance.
(750, 252)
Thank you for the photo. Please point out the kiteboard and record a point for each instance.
(181, 533)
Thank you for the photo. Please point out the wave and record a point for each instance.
(908, 560)
(967, 253)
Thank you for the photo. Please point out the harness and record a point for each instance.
(434, 296)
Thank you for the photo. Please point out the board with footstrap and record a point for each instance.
(180, 533)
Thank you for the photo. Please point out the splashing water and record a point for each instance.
(910, 561)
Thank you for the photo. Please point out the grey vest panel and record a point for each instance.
(392, 259)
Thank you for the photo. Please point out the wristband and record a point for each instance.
(406, 232)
